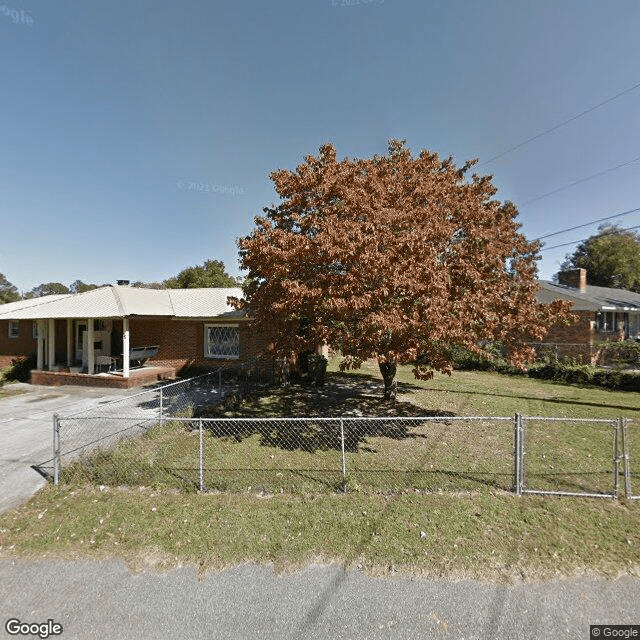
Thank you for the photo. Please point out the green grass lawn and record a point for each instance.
(441, 453)
(488, 536)
(427, 498)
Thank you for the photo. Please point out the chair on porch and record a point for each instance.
(104, 361)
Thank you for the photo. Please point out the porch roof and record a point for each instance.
(115, 301)
(591, 299)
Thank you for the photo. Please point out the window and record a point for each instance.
(34, 330)
(610, 321)
(221, 341)
(14, 328)
(606, 321)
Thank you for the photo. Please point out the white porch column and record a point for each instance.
(51, 358)
(40, 363)
(69, 341)
(91, 354)
(125, 347)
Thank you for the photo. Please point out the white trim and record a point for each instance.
(125, 347)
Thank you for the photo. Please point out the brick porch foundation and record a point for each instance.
(137, 378)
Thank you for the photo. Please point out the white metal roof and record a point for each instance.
(116, 301)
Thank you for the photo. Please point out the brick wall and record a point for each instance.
(181, 342)
(574, 341)
(23, 345)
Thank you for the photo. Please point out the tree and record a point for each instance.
(138, 284)
(611, 258)
(394, 258)
(8, 291)
(46, 289)
(80, 287)
(210, 274)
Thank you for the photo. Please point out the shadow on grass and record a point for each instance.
(340, 397)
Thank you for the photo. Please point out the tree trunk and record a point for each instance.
(388, 371)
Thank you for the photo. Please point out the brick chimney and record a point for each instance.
(576, 278)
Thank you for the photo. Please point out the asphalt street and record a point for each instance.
(107, 600)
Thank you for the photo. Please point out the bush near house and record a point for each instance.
(567, 372)
(19, 370)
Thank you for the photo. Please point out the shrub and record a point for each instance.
(614, 379)
(20, 369)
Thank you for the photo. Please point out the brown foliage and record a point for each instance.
(392, 257)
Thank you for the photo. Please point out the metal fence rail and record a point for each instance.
(628, 450)
(154, 438)
(111, 420)
(568, 456)
(525, 454)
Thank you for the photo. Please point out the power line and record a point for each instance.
(571, 184)
(561, 124)
(586, 224)
(568, 244)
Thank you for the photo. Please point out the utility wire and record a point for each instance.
(568, 244)
(586, 224)
(571, 184)
(561, 124)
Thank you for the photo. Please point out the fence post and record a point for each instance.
(516, 453)
(523, 453)
(616, 458)
(201, 456)
(625, 449)
(219, 380)
(160, 406)
(344, 460)
(56, 449)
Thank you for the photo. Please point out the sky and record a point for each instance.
(137, 138)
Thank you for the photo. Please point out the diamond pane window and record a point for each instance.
(221, 341)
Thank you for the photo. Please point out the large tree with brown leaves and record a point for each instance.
(395, 258)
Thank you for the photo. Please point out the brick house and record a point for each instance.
(604, 314)
(82, 338)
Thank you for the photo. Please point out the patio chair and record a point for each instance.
(104, 361)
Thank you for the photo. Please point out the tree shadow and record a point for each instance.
(342, 404)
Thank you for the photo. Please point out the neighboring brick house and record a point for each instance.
(81, 338)
(604, 314)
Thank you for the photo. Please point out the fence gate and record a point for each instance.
(629, 449)
(569, 456)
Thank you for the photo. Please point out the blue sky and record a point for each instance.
(112, 114)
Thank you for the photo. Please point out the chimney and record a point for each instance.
(122, 283)
(576, 278)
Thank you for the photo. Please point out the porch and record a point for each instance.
(111, 379)
(93, 352)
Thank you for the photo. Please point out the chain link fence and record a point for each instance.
(527, 454)
(568, 456)
(106, 424)
(630, 455)
(274, 455)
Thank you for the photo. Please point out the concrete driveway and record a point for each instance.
(26, 432)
